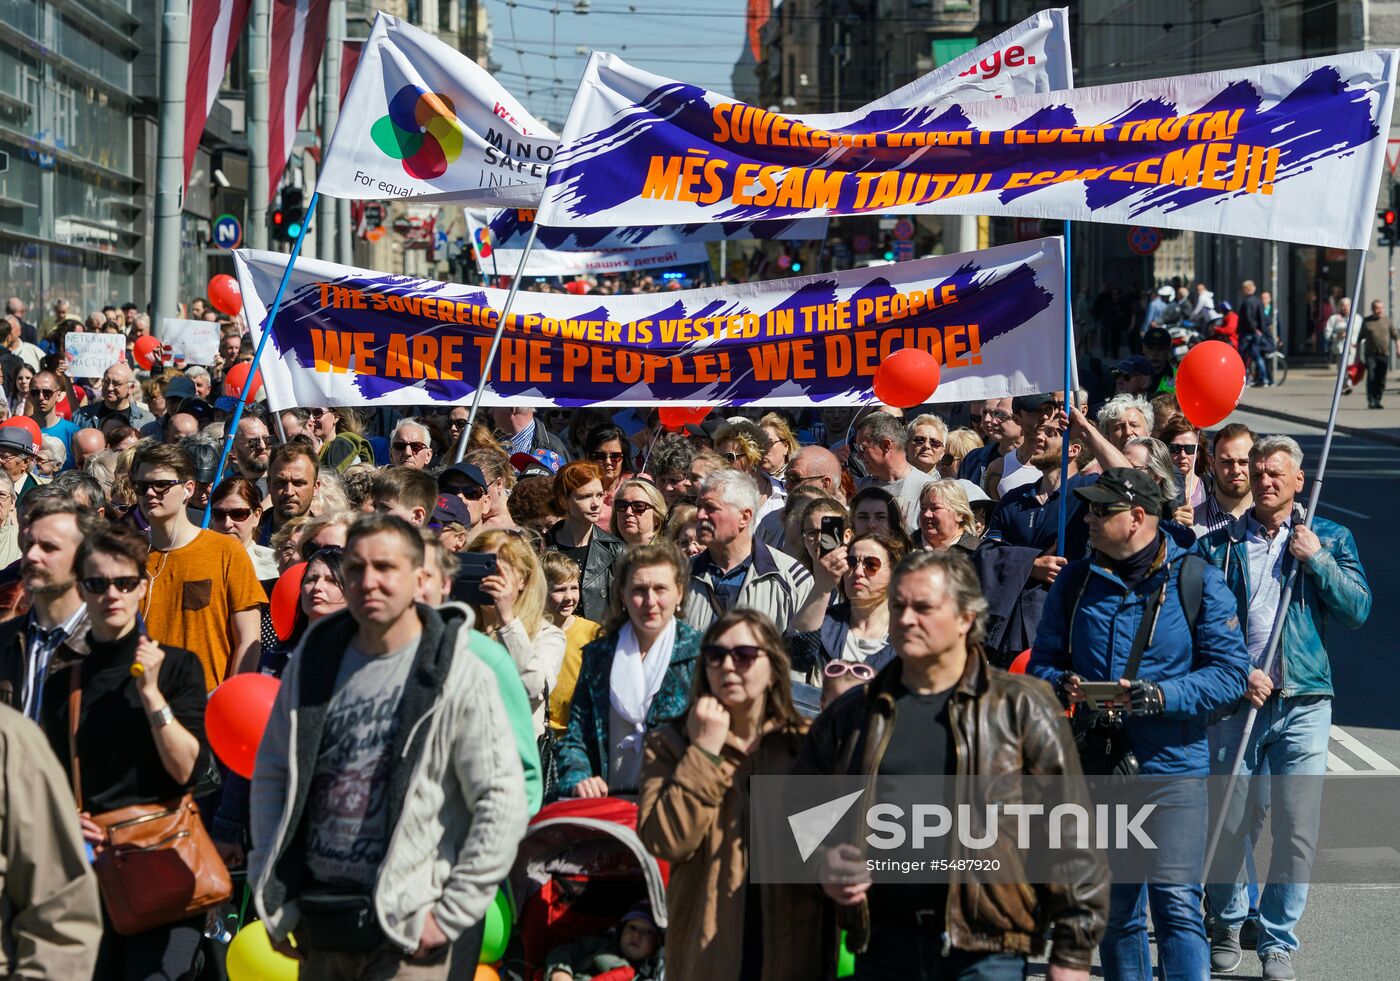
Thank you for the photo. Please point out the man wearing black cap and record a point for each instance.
(1135, 376)
(1157, 349)
(452, 522)
(1144, 612)
(467, 483)
(1039, 418)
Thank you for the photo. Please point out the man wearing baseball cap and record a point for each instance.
(466, 483)
(1135, 376)
(1039, 419)
(1159, 621)
(1157, 349)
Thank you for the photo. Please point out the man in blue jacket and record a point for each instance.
(1294, 697)
(1088, 631)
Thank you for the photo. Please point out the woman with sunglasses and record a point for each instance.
(928, 438)
(608, 449)
(639, 512)
(694, 813)
(1184, 446)
(634, 678)
(140, 730)
(857, 628)
(235, 510)
(783, 448)
(578, 493)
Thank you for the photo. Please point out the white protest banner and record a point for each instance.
(193, 341)
(349, 336)
(89, 355)
(493, 259)
(422, 120)
(1249, 151)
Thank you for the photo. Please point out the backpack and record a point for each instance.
(344, 451)
(1190, 588)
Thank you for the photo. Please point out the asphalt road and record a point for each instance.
(1349, 931)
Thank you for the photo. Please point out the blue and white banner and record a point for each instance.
(500, 255)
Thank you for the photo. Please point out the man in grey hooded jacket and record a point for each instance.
(386, 807)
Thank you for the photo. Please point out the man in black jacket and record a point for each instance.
(1251, 334)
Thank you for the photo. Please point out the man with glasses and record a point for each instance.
(879, 440)
(252, 451)
(524, 432)
(466, 482)
(46, 390)
(118, 391)
(1003, 434)
(410, 445)
(53, 526)
(1039, 418)
(815, 466)
(204, 595)
(1146, 613)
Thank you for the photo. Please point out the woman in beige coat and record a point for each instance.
(694, 814)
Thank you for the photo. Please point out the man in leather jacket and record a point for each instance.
(940, 709)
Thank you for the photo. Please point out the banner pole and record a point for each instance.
(1069, 389)
(257, 357)
(1276, 632)
(496, 341)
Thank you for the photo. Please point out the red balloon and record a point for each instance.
(1209, 383)
(225, 294)
(1018, 666)
(147, 350)
(237, 377)
(677, 417)
(286, 596)
(906, 378)
(235, 717)
(577, 287)
(29, 426)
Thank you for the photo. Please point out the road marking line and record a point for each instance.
(1335, 764)
(1338, 507)
(1360, 750)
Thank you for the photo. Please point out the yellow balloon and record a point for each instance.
(251, 957)
(485, 972)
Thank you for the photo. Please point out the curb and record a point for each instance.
(1358, 432)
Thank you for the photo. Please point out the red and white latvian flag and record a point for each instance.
(298, 41)
(422, 120)
(215, 27)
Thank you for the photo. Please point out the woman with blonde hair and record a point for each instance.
(926, 441)
(946, 519)
(638, 512)
(959, 443)
(683, 529)
(516, 616)
(784, 448)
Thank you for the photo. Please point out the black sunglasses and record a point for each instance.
(1107, 510)
(635, 507)
(98, 585)
(159, 486)
(45, 393)
(414, 448)
(233, 514)
(470, 491)
(457, 423)
(1188, 448)
(744, 655)
(605, 457)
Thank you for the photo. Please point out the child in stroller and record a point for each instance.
(629, 952)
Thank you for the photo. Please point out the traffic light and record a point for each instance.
(1389, 233)
(293, 211)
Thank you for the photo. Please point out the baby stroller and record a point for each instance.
(579, 868)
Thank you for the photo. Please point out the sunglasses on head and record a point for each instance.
(233, 514)
(857, 670)
(403, 445)
(98, 585)
(1108, 510)
(744, 655)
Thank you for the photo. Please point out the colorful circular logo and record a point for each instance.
(421, 130)
(482, 237)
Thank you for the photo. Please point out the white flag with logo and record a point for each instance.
(422, 120)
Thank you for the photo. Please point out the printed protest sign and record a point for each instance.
(193, 341)
(351, 336)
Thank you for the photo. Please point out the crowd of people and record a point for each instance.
(589, 605)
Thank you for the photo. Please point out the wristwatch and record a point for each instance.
(162, 717)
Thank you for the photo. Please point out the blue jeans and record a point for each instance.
(1289, 739)
(1252, 351)
(1171, 892)
(914, 952)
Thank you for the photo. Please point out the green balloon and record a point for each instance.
(497, 933)
(845, 960)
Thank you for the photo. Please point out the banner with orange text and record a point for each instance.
(349, 336)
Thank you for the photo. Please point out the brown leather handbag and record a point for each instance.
(156, 865)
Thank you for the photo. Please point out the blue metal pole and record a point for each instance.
(257, 355)
(1069, 387)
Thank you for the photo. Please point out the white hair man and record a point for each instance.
(411, 445)
(735, 570)
(1125, 416)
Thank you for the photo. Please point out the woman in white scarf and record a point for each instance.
(634, 678)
